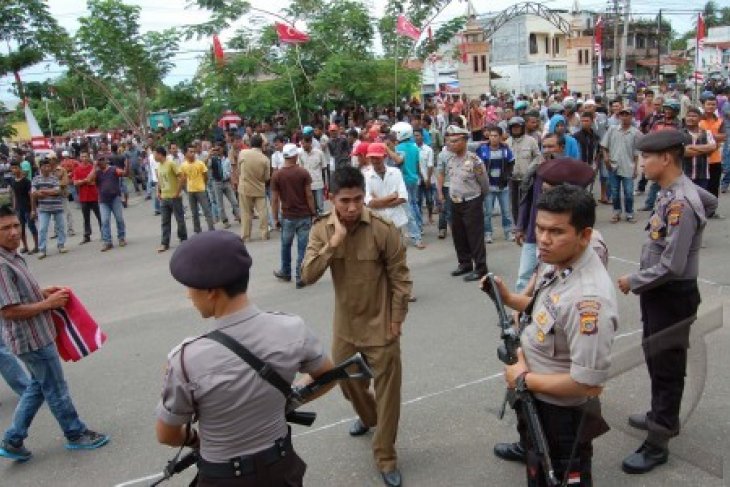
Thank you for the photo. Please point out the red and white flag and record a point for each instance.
(218, 54)
(699, 77)
(598, 49)
(406, 29)
(289, 35)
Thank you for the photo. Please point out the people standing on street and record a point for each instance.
(666, 283)
(443, 184)
(64, 181)
(118, 160)
(291, 196)
(195, 178)
(499, 163)
(169, 187)
(339, 148)
(28, 330)
(21, 187)
(385, 190)
(88, 194)
(313, 160)
(152, 179)
(715, 125)
(367, 258)
(220, 170)
(668, 121)
(527, 154)
(621, 158)
(565, 352)
(694, 160)
(426, 175)
(255, 172)
(107, 180)
(243, 438)
(46, 203)
(469, 186)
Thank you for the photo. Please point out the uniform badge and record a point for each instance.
(540, 336)
(675, 212)
(555, 298)
(541, 318)
(588, 305)
(468, 165)
(654, 235)
(588, 322)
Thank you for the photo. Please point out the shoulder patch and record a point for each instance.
(588, 322)
(674, 212)
(588, 305)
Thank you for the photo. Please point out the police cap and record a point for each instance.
(662, 140)
(565, 170)
(211, 260)
(456, 130)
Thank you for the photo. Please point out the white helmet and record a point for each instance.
(403, 131)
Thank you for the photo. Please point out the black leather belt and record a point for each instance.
(246, 464)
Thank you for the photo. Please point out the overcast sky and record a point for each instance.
(172, 13)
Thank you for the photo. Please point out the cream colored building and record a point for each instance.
(474, 73)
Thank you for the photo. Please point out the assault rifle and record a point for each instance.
(295, 399)
(507, 353)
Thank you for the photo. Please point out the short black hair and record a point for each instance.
(237, 288)
(347, 177)
(307, 138)
(257, 141)
(279, 138)
(161, 151)
(7, 210)
(587, 115)
(495, 128)
(568, 198)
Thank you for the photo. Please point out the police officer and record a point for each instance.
(243, 436)
(667, 287)
(469, 184)
(566, 346)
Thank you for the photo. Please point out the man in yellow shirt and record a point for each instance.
(255, 170)
(195, 178)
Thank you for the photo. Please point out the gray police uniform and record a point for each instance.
(574, 319)
(469, 184)
(668, 295)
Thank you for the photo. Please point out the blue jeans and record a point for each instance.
(528, 262)
(11, 370)
(445, 215)
(44, 218)
(106, 224)
(428, 194)
(651, 197)
(47, 384)
(210, 189)
(319, 200)
(415, 219)
(502, 197)
(725, 182)
(152, 193)
(627, 183)
(290, 228)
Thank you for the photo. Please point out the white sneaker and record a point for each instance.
(488, 238)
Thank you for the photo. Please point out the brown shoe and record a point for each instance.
(163, 248)
(106, 247)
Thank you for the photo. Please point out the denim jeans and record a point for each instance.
(47, 384)
(200, 198)
(502, 197)
(223, 191)
(445, 215)
(319, 200)
(415, 219)
(106, 225)
(210, 190)
(428, 194)
(152, 193)
(44, 218)
(627, 183)
(725, 182)
(290, 228)
(528, 262)
(652, 195)
(11, 370)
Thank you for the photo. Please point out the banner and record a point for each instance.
(406, 29)
(700, 46)
(289, 35)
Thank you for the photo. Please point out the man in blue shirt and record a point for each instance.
(499, 163)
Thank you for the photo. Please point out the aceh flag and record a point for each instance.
(289, 35)
(699, 77)
(406, 29)
(218, 51)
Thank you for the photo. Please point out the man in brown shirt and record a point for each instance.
(255, 171)
(367, 258)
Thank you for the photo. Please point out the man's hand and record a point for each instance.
(512, 372)
(502, 288)
(396, 329)
(57, 299)
(519, 237)
(623, 284)
(50, 290)
(340, 233)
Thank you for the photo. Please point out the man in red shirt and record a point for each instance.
(88, 196)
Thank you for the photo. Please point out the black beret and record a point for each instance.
(565, 170)
(662, 140)
(211, 260)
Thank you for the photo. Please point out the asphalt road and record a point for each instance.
(452, 382)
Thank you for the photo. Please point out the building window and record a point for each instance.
(586, 56)
(640, 42)
(630, 41)
(556, 46)
(484, 63)
(533, 44)
(547, 45)
(475, 59)
(580, 56)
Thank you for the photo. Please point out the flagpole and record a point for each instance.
(395, 77)
(294, 94)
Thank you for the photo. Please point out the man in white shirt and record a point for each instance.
(277, 157)
(152, 180)
(426, 176)
(385, 190)
(313, 161)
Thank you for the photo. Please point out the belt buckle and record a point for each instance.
(457, 199)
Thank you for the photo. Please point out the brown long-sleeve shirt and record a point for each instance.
(371, 279)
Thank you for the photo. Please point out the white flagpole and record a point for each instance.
(395, 77)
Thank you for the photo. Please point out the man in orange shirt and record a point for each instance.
(715, 125)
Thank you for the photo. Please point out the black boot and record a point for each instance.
(513, 452)
(645, 459)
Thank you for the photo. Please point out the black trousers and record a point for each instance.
(667, 313)
(169, 207)
(467, 227)
(641, 186)
(86, 208)
(715, 176)
(287, 472)
(514, 197)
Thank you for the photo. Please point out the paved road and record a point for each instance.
(452, 386)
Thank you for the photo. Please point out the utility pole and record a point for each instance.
(659, 49)
(614, 61)
(624, 45)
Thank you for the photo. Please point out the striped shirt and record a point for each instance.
(48, 203)
(18, 286)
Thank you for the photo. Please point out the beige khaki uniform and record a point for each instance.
(372, 285)
(255, 170)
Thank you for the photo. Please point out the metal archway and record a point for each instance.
(493, 24)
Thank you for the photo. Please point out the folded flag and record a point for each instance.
(77, 333)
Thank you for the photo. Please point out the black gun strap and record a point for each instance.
(262, 368)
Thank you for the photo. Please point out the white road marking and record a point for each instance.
(141, 479)
(631, 262)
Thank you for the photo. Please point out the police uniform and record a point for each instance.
(469, 184)
(244, 437)
(668, 295)
(574, 319)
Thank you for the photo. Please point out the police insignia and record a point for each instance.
(588, 322)
(541, 318)
(675, 211)
(540, 336)
(588, 305)
(654, 235)
(555, 298)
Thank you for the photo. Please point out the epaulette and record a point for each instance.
(179, 347)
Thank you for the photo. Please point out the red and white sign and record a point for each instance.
(406, 29)
(37, 139)
(699, 77)
(289, 35)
